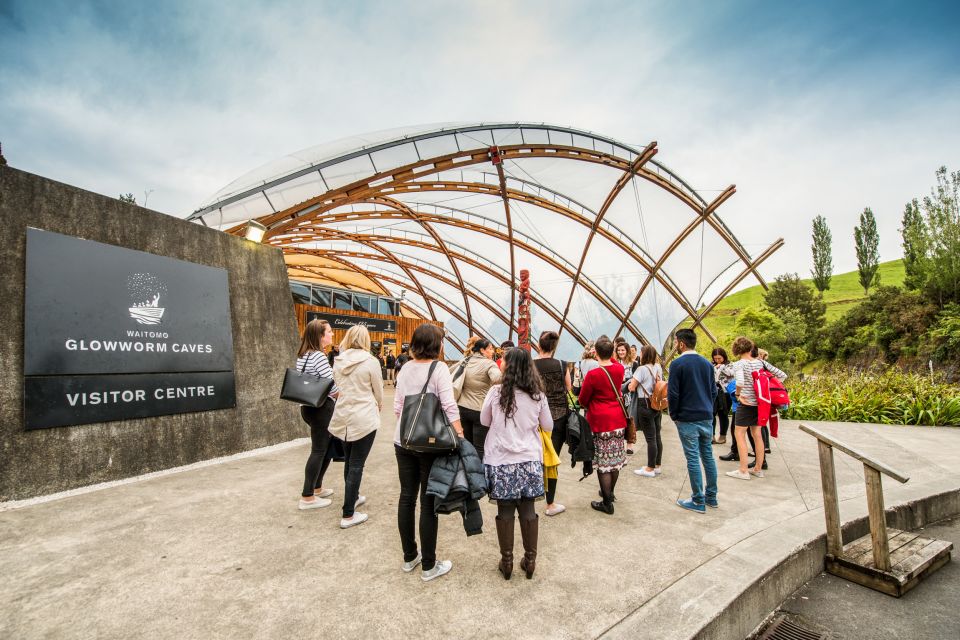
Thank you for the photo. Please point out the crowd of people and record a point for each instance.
(513, 414)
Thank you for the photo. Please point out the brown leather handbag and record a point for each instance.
(630, 433)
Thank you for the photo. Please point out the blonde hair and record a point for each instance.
(589, 351)
(472, 340)
(357, 338)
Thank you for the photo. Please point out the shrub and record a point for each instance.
(879, 396)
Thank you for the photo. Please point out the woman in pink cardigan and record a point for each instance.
(515, 411)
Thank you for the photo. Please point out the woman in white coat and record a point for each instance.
(357, 416)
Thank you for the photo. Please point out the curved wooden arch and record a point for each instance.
(376, 247)
(382, 182)
(553, 260)
(608, 304)
(549, 205)
(622, 181)
(396, 204)
(526, 243)
(535, 298)
(382, 185)
(336, 254)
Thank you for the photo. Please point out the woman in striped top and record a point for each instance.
(746, 416)
(311, 359)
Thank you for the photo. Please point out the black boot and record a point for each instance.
(529, 531)
(606, 506)
(505, 538)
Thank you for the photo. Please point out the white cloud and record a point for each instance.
(213, 92)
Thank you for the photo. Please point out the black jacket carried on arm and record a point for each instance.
(457, 482)
(580, 442)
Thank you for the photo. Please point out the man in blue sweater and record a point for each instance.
(691, 389)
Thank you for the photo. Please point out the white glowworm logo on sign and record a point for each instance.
(145, 291)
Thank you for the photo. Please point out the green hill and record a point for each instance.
(844, 292)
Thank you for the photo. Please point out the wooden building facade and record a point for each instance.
(389, 340)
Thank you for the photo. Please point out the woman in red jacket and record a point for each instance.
(600, 396)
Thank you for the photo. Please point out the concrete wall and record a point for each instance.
(45, 461)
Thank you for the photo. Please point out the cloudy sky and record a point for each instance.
(817, 108)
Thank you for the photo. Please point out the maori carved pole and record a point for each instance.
(523, 307)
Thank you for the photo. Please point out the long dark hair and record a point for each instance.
(720, 351)
(519, 374)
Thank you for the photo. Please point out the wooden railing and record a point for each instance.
(831, 503)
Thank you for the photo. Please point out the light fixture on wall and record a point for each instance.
(255, 231)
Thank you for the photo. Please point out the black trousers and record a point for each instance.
(414, 471)
(320, 451)
(649, 421)
(355, 455)
(474, 432)
(721, 411)
(557, 437)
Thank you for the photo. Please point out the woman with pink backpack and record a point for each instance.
(647, 410)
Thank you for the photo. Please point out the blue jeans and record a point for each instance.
(695, 438)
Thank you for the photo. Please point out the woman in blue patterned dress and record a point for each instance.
(514, 411)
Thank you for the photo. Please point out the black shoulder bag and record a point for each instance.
(423, 423)
(305, 388)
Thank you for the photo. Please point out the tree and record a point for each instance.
(943, 238)
(822, 254)
(778, 334)
(914, 233)
(788, 293)
(931, 241)
(867, 242)
(127, 197)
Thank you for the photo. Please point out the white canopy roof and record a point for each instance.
(615, 242)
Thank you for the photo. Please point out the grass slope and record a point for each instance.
(844, 292)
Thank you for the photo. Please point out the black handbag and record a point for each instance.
(424, 426)
(305, 388)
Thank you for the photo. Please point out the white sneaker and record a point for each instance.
(358, 518)
(554, 510)
(361, 500)
(758, 474)
(739, 475)
(316, 503)
(658, 470)
(646, 474)
(442, 568)
(410, 566)
(324, 493)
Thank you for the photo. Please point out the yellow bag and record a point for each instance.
(551, 461)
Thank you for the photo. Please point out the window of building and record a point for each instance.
(321, 297)
(362, 303)
(341, 300)
(385, 306)
(301, 292)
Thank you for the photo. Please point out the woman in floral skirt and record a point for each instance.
(600, 396)
(514, 411)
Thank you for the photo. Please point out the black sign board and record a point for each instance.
(54, 401)
(390, 342)
(94, 313)
(341, 321)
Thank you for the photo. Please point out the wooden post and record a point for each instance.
(878, 525)
(831, 504)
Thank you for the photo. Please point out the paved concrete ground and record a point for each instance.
(842, 610)
(222, 551)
